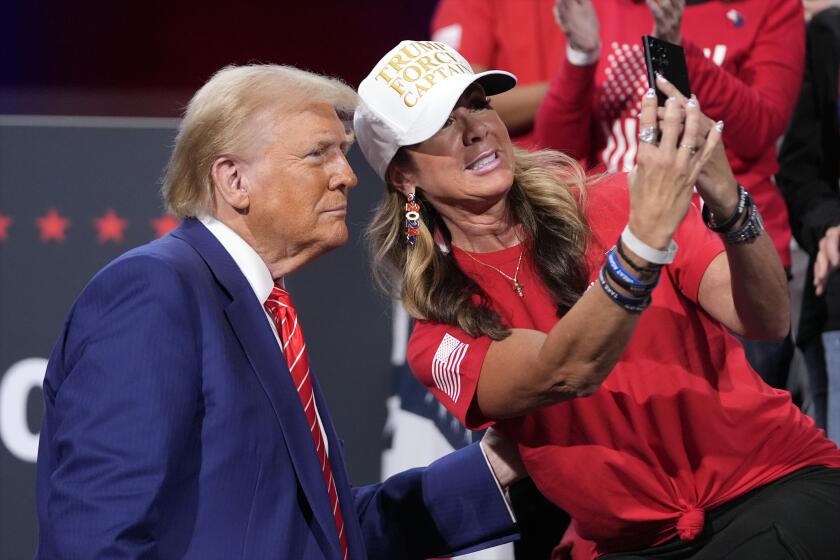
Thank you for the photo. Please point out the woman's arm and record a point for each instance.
(745, 288)
(530, 369)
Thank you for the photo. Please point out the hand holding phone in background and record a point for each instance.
(667, 18)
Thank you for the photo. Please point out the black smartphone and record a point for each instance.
(667, 59)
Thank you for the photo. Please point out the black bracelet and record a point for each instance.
(752, 228)
(625, 280)
(631, 304)
(709, 219)
(652, 269)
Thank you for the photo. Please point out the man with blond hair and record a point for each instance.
(181, 417)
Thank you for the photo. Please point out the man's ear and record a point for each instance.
(230, 183)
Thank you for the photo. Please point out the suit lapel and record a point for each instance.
(251, 327)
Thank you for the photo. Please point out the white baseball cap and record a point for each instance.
(410, 93)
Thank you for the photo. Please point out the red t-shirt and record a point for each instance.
(745, 64)
(682, 424)
(519, 36)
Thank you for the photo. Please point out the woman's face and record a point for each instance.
(469, 162)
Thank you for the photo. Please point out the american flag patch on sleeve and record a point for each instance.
(446, 366)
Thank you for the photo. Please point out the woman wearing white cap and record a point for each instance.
(534, 287)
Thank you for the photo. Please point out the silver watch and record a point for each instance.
(752, 228)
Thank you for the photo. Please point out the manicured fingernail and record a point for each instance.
(650, 93)
(692, 103)
(661, 77)
(719, 126)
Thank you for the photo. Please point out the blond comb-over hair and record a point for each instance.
(218, 121)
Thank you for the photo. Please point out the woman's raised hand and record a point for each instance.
(672, 151)
(716, 184)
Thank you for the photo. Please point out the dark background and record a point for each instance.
(147, 58)
(112, 59)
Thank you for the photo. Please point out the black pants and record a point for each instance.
(540, 522)
(794, 518)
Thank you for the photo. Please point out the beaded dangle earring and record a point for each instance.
(412, 219)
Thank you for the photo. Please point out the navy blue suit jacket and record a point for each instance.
(172, 429)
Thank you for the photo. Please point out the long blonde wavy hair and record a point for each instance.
(546, 198)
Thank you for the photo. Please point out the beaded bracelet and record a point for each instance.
(624, 279)
(744, 200)
(631, 304)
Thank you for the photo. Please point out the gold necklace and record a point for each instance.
(517, 287)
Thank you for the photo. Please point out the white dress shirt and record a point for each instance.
(258, 276)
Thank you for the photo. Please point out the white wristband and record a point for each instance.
(582, 58)
(647, 252)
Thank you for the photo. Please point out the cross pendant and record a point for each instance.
(517, 287)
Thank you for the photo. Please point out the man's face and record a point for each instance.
(299, 184)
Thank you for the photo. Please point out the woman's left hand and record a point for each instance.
(716, 183)
(667, 18)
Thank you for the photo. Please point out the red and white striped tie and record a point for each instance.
(279, 306)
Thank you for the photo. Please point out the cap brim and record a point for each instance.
(495, 82)
(441, 100)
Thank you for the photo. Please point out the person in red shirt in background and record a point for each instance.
(518, 36)
(745, 63)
